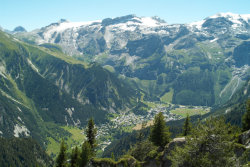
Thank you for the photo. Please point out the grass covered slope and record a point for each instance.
(88, 84)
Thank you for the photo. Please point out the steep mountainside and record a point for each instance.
(204, 62)
(235, 108)
(41, 88)
(23, 152)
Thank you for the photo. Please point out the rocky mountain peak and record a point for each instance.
(222, 22)
(63, 20)
(19, 29)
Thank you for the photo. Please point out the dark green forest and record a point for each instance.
(22, 152)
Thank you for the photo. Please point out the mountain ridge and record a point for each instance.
(154, 55)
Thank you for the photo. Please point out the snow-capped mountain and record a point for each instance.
(236, 20)
(115, 33)
(75, 36)
(161, 54)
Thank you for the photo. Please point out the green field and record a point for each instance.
(167, 97)
(190, 111)
(75, 139)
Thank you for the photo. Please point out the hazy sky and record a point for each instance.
(32, 14)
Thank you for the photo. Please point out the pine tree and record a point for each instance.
(209, 144)
(159, 134)
(246, 118)
(62, 158)
(91, 133)
(112, 156)
(187, 126)
(86, 154)
(75, 157)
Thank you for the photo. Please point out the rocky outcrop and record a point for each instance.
(162, 159)
(176, 142)
(244, 139)
(242, 150)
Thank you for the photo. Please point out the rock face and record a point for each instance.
(242, 54)
(176, 142)
(242, 151)
(244, 139)
(156, 56)
(163, 161)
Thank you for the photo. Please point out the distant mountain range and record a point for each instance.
(204, 62)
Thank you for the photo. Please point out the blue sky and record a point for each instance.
(33, 14)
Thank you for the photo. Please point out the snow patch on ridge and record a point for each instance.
(215, 39)
(66, 25)
(150, 22)
(197, 24)
(137, 22)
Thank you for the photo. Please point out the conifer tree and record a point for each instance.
(86, 154)
(91, 133)
(210, 144)
(159, 134)
(246, 118)
(75, 157)
(62, 158)
(112, 156)
(187, 126)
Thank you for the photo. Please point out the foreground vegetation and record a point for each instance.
(212, 142)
